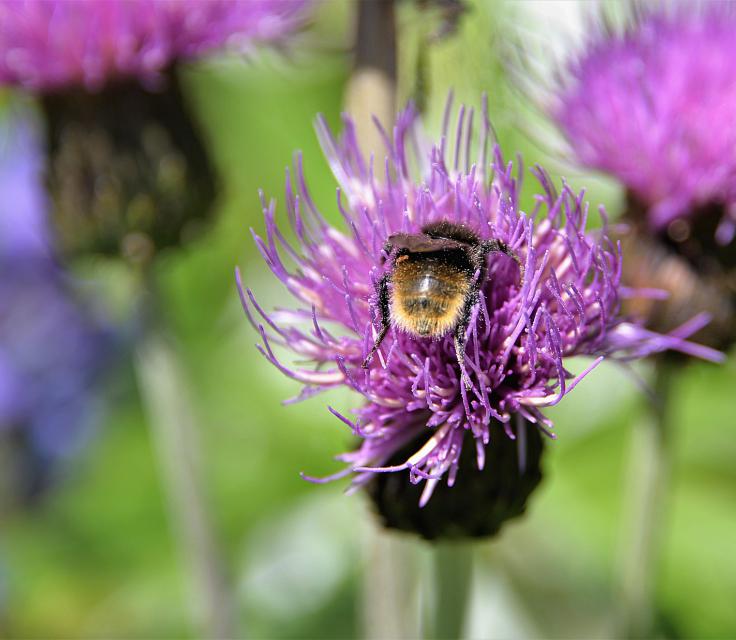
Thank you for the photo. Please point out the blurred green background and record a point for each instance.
(98, 557)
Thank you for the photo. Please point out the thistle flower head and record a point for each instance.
(521, 333)
(654, 105)
(51, 44)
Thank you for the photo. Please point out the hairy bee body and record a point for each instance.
(433, 283)
(429, 292)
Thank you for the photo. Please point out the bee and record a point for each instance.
(435, 279)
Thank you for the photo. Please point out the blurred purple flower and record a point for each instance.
(654, 105)
(520, 337)
(51, 349)
(50, 44)
(23, 205)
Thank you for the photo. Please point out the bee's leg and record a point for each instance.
(385, 311)
(497, 246)
(388, 249)
(460, 352)
(460, 331)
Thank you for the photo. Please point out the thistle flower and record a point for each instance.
(521, 334)
(47, 45)
(653, 104)
(52, 350)
(128, 172)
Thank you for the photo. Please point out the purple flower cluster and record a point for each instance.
(51, 349)
(520, 336)
(654, 104)
(48, 44)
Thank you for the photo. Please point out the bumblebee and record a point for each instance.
(435, 279)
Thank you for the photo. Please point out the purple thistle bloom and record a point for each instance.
(50, 44)
(654, 105)
(52, 351)
(128, 172)
(520, 336)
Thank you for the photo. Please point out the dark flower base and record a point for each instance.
(477, 505)
(127, 172)
(686, 261)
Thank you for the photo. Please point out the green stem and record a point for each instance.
(165, 396)
(390, 588)
(648, 480)
(453, 572)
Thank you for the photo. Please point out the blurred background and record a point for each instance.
(90, 548)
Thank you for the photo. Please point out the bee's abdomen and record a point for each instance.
(428, 303)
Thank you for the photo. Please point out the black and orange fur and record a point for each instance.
(433, 283)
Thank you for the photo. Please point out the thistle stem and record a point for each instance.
(165, 396)
(371, 89)
(390, 588)
(453, 573)
(650, 464)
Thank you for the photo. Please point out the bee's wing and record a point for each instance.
(420, 243)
